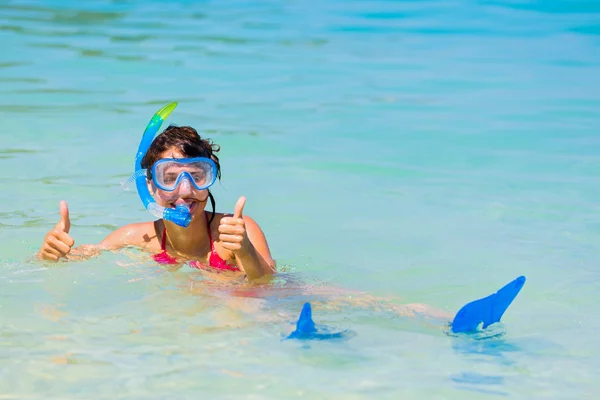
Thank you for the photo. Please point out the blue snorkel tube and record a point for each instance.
(180, 214)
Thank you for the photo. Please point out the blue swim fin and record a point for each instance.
(305, 324)
(306, 329)
(488, 310)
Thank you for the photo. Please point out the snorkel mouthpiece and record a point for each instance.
(180, 214)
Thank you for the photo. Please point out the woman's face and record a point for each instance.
(184, 192)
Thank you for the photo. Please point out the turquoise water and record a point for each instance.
(423, 152)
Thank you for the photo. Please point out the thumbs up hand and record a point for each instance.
(232, 230)
(58, 242)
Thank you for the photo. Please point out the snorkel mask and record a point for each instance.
(169, 173)
(181, 213)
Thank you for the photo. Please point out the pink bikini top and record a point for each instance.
(214, 260)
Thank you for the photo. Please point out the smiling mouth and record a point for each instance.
(190, 204)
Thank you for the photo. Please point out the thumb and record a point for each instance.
(65, 222)
(239, 206)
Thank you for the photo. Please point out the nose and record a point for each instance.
(185, 186)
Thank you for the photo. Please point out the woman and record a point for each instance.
(179, 168)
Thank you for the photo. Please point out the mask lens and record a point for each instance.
(169, 172)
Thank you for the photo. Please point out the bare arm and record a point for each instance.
(129, 235)
(257, 261)
(242, 236)
(59, 244)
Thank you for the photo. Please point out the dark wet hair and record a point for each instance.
(187, 140)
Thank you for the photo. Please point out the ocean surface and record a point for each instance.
(413, 151)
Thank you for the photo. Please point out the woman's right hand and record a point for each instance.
(58, 242)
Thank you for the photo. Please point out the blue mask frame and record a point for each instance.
(184, 174)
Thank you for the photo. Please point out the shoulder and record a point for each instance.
(138, 234)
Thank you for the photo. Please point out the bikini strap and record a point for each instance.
(163, 240)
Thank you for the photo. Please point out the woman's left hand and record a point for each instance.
(232, 231)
